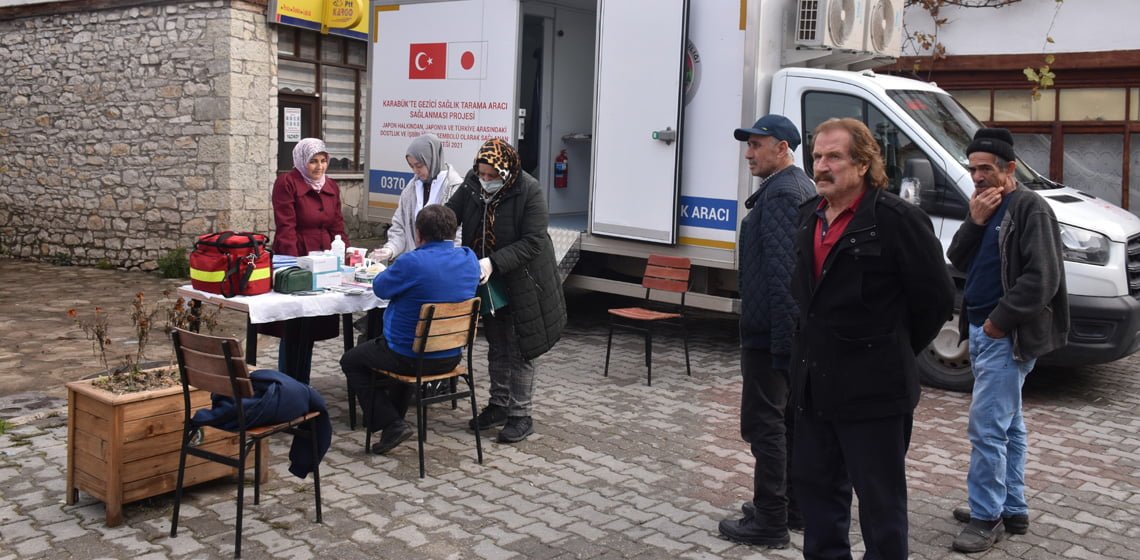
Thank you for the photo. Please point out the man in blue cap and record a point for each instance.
(767, 313)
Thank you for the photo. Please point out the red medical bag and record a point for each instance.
(232, 263)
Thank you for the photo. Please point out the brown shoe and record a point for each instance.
(1014, 524)
(978, 536)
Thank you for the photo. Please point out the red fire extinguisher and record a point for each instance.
(560, 171)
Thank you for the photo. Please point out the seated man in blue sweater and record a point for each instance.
(435, 272)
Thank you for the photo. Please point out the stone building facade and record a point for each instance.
(129, 128)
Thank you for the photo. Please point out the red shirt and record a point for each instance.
(827, 234)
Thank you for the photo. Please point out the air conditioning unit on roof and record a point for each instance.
(884, 27)
(831, 24)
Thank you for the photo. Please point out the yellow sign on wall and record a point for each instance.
(344, 14)
(348, 18)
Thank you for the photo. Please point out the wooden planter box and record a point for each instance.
(124, 448)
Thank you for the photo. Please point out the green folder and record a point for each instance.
(493, 295)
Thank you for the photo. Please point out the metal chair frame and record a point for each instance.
(662, 273)
(216, 365)
(442, 326)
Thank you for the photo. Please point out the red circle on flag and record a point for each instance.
(467, 60)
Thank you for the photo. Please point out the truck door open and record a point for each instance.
(449, 68)
(638, 117)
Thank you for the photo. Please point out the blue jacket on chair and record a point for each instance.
(276, 398)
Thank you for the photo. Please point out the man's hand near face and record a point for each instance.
(983, 204)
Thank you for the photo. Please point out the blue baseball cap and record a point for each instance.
(776, 126)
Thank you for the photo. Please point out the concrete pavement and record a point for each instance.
(615, 470)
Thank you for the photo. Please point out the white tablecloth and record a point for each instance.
(273, 306)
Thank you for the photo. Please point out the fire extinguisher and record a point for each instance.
(561, 177)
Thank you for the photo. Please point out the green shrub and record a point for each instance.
(174, 264)
(105, 264)
(60, 259)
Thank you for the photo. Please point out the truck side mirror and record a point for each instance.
(934, 199)
(918, 182)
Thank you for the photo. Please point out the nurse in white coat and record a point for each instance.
(433, 181)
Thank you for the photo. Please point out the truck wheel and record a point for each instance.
(945, 363)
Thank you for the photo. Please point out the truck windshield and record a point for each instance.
(953, 127)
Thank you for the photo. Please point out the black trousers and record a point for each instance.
(830, 458)
(768, 430)
(389, 402)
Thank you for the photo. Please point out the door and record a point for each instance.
(296, 119)
(446, 68)
(638, 119)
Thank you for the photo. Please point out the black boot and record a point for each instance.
(750, 530)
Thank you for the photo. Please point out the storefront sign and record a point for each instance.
(347, 18)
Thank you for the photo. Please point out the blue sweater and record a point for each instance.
(436, 272)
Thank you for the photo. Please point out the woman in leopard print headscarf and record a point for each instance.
(503, 217)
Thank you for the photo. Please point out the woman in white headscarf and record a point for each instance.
(433, 181)
(307, 214)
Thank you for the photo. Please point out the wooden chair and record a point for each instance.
(442, 326)
(662, 273)
(215, 364)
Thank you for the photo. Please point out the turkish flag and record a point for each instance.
(465, 61)
(427, 61)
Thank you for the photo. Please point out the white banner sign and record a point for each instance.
(448, 68)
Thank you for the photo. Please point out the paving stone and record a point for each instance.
(616, 470)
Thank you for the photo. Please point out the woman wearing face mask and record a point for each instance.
(433, 181)
(307, 215)
(503, 218)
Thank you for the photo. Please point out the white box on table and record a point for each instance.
(322, 280)
(318, 264)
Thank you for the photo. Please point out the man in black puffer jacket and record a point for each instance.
(503, 216)
(767, 317)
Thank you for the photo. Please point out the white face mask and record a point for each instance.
(491, 186)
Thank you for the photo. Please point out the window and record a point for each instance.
(330, 70)
(1019, 105)
(1092, 104)
(1034, 150)
(1092, 164)
(976, 102)
(903, 159)
(1134, 173)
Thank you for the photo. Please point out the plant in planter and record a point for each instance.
(124, 427)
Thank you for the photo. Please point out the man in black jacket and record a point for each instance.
(767, 316)
(873, 290)
(1014, 309)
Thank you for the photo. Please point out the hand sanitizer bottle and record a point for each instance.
(338, 251)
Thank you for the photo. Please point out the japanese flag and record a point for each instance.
(467, 60)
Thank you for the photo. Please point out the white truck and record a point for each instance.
(638, 99)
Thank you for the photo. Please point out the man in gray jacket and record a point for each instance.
(767, 317)
(1014, 309)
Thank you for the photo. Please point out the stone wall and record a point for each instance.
(126, 132)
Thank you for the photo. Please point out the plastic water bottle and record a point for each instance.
(338, 251)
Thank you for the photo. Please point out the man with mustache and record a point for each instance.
(873, 290)
(1014, 309)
